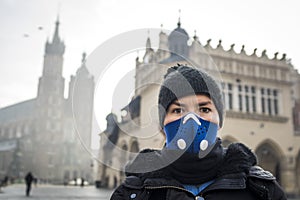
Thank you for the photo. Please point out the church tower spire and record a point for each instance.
(52, 82)
(179, 23)
(56, 38)
(57, 46)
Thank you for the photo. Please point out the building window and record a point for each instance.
(240, 102)
(269, 101)
(247, 103)
(247, 98)
(240, 97)
(263, 109)
(254, 104)
(253, 92)
(230, 104)
(240, 88)
(262, 92)
(275, 106)
(228, 96)
(269, 107)
(275, 99)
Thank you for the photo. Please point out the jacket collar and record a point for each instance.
(236, 181)
(237, 162)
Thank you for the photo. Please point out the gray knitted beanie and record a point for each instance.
(181, 81)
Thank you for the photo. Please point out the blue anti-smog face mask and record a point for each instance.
(191, 134)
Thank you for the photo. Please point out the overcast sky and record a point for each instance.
(26, 25)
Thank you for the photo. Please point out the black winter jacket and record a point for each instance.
(232, 184)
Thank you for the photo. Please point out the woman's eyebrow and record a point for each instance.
(179, 104)
(204, 103)
(199, 104)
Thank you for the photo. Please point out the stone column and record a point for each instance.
(288, 175)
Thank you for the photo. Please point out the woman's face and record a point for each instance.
(202, 105)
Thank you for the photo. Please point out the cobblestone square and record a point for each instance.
(47, 192)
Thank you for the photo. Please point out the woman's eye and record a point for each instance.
(177, 111)
(204, 110)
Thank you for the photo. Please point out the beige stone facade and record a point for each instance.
(261, 96)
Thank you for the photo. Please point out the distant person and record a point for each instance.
(5, 181)
(66, 182)
(75, 181)
(28, 180)
(82, 182)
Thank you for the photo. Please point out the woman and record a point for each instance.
(193, 164)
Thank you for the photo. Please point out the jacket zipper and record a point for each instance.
(173, 187)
